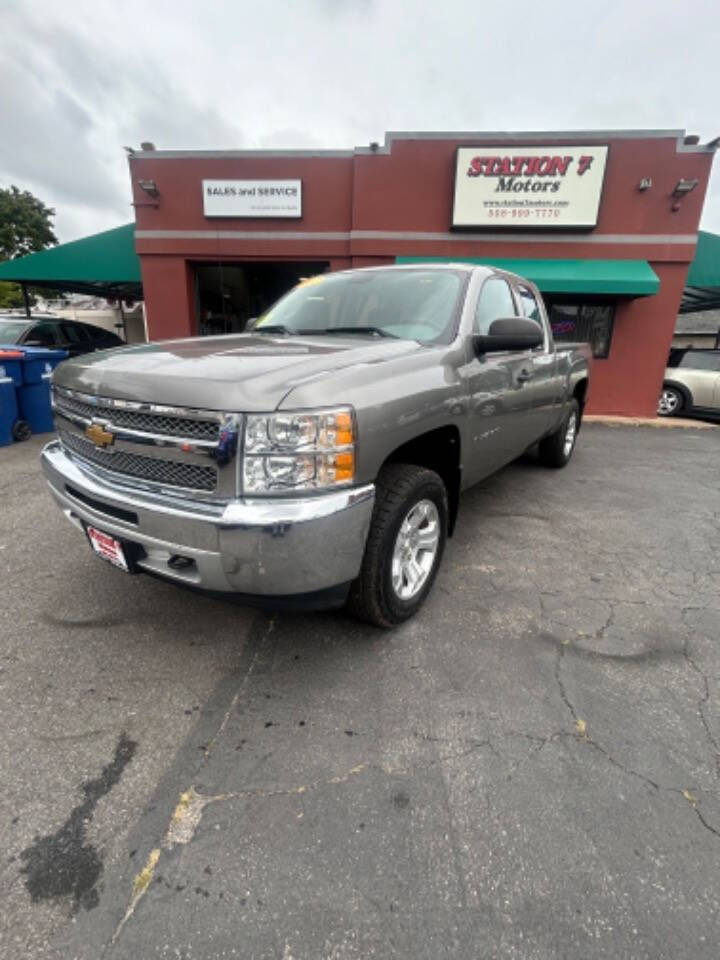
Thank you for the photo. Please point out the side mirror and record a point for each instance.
(511, 333)
(251, 323)
(33, 343)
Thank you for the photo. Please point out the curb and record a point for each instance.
(676, 423)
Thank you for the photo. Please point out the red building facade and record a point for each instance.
(222, 234)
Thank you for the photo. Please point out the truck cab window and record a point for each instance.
(531, 308)
(495, 301)
(529, 305)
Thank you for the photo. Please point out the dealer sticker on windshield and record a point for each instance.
(108, 548)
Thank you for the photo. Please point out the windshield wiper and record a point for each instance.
(271, 328)
(321, 331)
(374, 331)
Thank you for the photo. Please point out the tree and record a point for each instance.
(11, 296)
(25, 227)
(25, 224)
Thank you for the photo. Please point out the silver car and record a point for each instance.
(692, 383)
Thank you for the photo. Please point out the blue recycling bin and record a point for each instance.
(11, 362)
(33, 393)
(8, 408)
(38, 361)
(35, 405)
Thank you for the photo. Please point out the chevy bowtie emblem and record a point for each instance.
(99, 435)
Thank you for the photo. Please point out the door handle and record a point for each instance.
(524, 375)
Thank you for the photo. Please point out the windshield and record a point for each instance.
(409, 304)
(12, 330)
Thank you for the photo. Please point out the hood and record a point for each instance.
(244, 372)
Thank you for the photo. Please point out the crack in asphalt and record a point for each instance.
(186, 819)
(455, 844)
(705, 699)
(191, 800)
(144, 877)
(561, 686)
(585, 737)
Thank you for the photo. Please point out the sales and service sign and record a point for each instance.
(252, 198)
(528, 186)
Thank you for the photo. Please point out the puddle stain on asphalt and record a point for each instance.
(62, 864)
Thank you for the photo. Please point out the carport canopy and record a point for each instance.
(702, 291)
(104, 264)
(628, 278)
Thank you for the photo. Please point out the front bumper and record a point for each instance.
(274, 549)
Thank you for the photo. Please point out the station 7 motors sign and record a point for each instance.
(528, 186)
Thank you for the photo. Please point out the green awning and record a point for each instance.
(620, 278)
(705, 269)
(703, 281)
(103, 263)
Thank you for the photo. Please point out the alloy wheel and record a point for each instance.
(415, 550)
(570, 434)
(669, 403)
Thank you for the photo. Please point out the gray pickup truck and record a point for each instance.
(316, 460)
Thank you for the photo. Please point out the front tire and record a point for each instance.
(556, 450)
(404, 546)
(671, 402)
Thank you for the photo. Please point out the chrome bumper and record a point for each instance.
(263, 548)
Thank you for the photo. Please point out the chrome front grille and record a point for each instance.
(120, 416)
(173, 448)
(170, 473)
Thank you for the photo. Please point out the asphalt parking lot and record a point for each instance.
(529, 769)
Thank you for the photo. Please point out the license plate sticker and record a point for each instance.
(108, 548)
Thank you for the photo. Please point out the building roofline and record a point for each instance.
(476, 136)
(523, 136)
(230, 154)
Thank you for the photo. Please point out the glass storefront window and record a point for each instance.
(583, 323)
(230, 293)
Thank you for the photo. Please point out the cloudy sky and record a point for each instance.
(81, 79)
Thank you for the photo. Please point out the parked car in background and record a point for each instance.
(692, 383)
(56, 333)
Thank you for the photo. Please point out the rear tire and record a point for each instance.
(671, 402)
(404, 546)
(556, 450)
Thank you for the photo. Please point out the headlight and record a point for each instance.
(299, 451)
